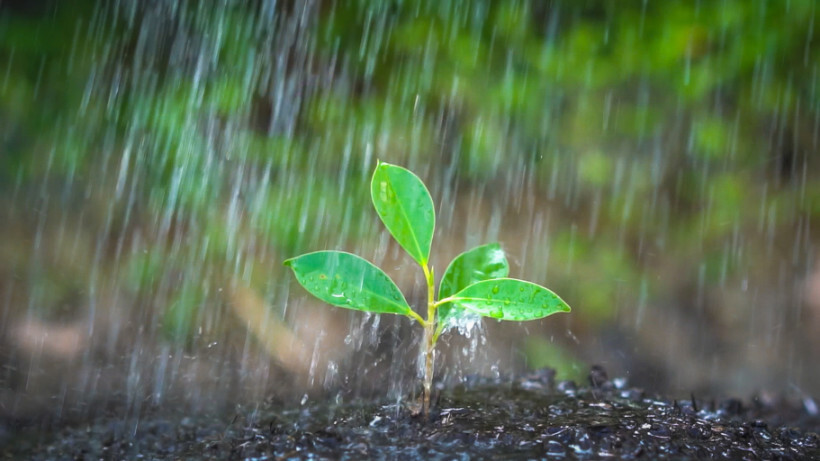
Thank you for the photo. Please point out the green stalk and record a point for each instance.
(429, 340)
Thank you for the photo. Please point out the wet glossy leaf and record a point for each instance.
(406, 209)
(483, 262)
(349, 281)
(509, 299)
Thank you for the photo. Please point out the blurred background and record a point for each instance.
(653, 162)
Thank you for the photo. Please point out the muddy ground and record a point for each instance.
(528, 417)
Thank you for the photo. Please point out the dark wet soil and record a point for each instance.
(526, 418)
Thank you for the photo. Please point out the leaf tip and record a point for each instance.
(380, 164)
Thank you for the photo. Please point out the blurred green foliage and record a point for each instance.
(672, 126)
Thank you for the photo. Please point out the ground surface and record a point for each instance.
(526, 418)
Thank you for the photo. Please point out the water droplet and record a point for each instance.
(495, 290)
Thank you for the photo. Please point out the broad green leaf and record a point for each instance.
(346, 280)
(509, 299)
(406, 209)
(483, 262)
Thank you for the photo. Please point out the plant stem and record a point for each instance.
(418, 318)
(429, 340)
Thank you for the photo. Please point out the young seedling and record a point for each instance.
(475, 282)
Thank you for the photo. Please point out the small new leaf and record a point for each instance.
(483, 262)
(346, 280)
(509, 299)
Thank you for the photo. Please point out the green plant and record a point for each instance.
(475, 282)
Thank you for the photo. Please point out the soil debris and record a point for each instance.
(527, 417)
